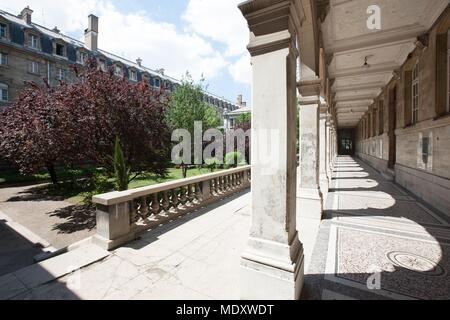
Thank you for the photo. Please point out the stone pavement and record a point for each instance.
(373, 230)
(51, 218)
(378, 242)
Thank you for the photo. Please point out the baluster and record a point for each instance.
(165, 201)
(133, 212)
(229, 182)
(143, 208)
(155, 204)
(183, 197)
(175, 199)
(191, 196)
(198, 193)
(215, 187)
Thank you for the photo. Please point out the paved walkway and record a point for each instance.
(378, 242)
(373, 230)
(57, 222)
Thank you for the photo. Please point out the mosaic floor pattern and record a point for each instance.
(378, 242)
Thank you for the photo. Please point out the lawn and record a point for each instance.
(80, 193)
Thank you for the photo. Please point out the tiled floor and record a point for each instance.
(378, 242)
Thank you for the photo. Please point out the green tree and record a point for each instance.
(121, 171)
(187, 106)
(244, 118)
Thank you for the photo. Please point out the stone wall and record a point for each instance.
(422, 162)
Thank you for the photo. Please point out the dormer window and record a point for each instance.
(33, 41)
(133, 75)
(118, 70)
(82, 57)
(102, 65)
(157, 83)
(60, 50)
(3, 31)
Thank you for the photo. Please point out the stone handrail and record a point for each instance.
(122, 215)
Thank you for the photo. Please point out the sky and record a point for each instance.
(204, 37)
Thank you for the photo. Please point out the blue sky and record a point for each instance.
(206, 37)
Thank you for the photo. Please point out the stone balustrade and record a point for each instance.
(121, 216)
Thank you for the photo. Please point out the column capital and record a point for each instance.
(273, 24)
(310, 87)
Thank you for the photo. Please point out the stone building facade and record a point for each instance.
(405, 134)
(232, 116)
(30, 52)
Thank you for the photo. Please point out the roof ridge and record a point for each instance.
(135, 64)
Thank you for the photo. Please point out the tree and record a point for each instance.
(122, 173)
(244, 118)
(187, 106)
(80, 121)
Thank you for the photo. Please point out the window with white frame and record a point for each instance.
(33, 41)
(61, 74)
(415, 94)
(3, 59)
(33, 67)
(82, 57)
(102, 65)
(133, 75)
(3, 30)
(118, 70)
(4, 93)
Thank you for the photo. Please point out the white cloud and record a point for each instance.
(132, 35)
(241, 70)
(223, 22)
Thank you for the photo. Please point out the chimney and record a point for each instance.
(139, 62)
(56, 30)
(25, 15)
(239, 100)
(91, 33)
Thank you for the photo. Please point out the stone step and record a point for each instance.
(49, 270)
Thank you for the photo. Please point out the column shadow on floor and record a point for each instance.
(385, 225)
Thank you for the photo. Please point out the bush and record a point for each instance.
(234, 159)
(212, 164)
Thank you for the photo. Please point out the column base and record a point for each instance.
(272, 272)
(309, 204)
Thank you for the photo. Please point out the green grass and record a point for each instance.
(80, 193)
(173, 174)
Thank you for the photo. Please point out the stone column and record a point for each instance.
(273, 263)
(323, 173)
(309, 197)
(328, 138)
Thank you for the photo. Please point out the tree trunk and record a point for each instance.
(52, 172)
(184, 171)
